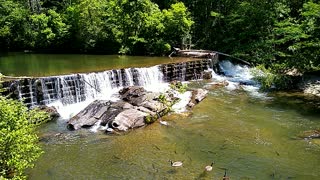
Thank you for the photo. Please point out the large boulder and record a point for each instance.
(95, 111)
(136, 106)
(133, 94)
(129, 118)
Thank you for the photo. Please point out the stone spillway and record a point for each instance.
(74, 88)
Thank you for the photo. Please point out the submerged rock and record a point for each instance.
(218, 85)
(310, 134)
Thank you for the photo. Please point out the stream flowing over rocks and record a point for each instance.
(137, 107)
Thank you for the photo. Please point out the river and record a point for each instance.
(38, 65)
(253, 135)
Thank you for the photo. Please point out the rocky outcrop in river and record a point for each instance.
(310, 84)
(136, 108)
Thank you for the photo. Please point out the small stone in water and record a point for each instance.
(164, 123)
(109, 129)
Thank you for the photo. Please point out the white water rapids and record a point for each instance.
(106, 85)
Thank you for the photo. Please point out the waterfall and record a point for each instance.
(75, 91)
(32, 94)
(150, 78)
(72, 93)
(75, 88)
(45, 92)
(129, 77)
(183, 70)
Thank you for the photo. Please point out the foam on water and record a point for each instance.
(106, 85)
(182, 104)
(237, 77)
(68, 111)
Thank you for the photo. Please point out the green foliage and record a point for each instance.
(162, 98)
(179, 86)
(177, 23)
(269, 79)
(48, 29)
(12, 24)
(18, 141)
(150, 119)
(125, 27)
(276, 33)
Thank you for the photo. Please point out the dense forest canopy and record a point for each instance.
(277, 34)
(106, 26)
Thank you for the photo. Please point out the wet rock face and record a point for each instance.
(313, 89)
(197, 96)
(207, 75)
(310, 84)
(52, 111)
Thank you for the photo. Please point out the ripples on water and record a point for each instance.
(252, 134)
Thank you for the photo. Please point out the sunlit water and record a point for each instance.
(253, 138)
(251, 134)
(38, 65)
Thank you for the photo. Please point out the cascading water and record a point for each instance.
(102, 85)
(129, 77)
(71, 93)
(236, 76)
(150, 78)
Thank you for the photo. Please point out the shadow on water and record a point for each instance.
(303, 104)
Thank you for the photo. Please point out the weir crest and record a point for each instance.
(75, 88)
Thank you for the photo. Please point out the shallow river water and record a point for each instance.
(251, 137)
(250, 134)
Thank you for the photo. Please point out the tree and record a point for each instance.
(134, 24)
(295, 39)
(47, 30)
(12, 24)
(177, 23)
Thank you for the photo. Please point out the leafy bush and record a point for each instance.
(18, 141)
(271, 80)
(178, 86)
